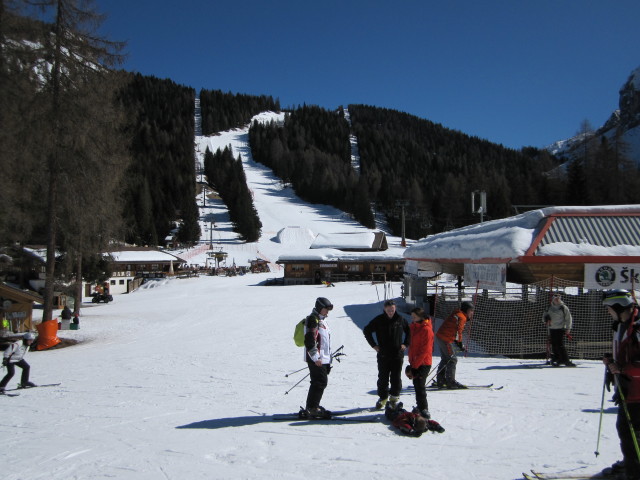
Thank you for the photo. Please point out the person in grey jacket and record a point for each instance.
(14, 355)
(558, 320)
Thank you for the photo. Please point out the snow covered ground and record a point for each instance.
(180, 380)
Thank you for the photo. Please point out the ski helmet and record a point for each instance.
(466, 306)
(322, 302)
(29, 336)
(611, 298)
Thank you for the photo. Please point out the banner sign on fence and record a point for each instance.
(614, 275)
(490, 276)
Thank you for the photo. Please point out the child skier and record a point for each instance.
(14, 355)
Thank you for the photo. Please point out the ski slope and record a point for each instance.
(179, 380)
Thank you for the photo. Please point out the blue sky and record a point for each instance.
(516, 72)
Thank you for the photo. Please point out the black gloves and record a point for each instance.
(5, 361)
(459, 345)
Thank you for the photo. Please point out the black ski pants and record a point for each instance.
(11, 370)
(319, 380)
(559, 352)
(389, 372)
(419, 384)
(629, 454)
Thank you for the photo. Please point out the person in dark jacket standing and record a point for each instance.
(317, 353)
(392, 336)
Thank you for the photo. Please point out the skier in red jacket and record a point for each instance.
(420, 354)
(449, 338)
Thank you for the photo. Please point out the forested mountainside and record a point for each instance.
(160, 182)
(434, 170)
(223, 111)
(311, 151)
(403, 160)
(226, 175)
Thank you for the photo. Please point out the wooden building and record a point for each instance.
(16, 308)
(537, 245)
(344, 257)
(131, 266)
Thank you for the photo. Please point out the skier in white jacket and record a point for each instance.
(14, 355)
(317, 343)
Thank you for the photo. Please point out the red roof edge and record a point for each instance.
(578, 259)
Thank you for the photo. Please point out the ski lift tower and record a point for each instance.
(481, 197)
(402, 204)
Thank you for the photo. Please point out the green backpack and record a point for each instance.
(298, 334)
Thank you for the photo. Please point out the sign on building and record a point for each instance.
(489, 276)
(601, 276)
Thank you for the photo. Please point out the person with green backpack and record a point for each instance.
(317, 354)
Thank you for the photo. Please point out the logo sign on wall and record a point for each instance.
(608, 276)
(490, 276)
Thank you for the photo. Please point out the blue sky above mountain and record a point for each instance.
(516, 73)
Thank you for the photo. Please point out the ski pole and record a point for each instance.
(298, 383)
(335, 355)
(627, 416)
(604, 384)
(338, 350)
(291, 373)
(338, 353)
(437, 370)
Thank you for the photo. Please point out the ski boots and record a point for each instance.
(381, 403)
(455, 385)
(314, 413)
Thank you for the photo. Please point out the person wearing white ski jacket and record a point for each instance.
(317, 352)
(14, 355)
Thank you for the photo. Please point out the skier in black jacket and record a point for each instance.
(392, 336)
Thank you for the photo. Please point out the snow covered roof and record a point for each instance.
(39, 253)
(570, 232)
(143, 256)
(351, 241)
(334, 255)
(299, 236)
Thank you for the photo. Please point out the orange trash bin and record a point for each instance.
(47, 335)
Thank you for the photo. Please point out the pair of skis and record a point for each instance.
(490, 386)
(11, 392)
(566, 476)
(341, 416)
